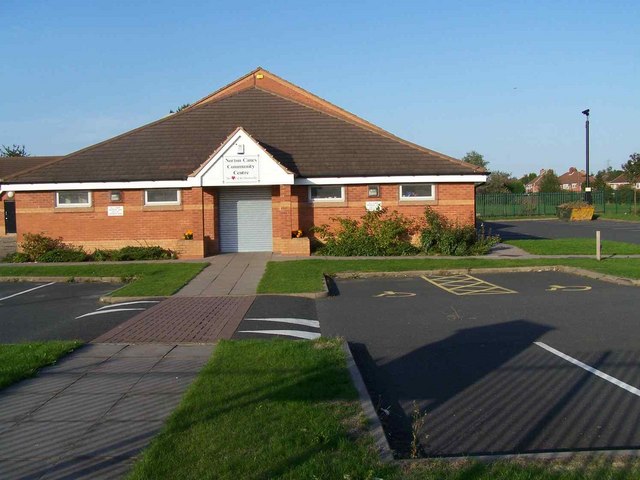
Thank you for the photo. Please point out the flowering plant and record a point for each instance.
(296, 233)
(188, 235)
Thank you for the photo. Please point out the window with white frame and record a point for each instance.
(417, 191)
(326, 193)
(73, 199)
(162, 196)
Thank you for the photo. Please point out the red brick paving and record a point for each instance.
(182, 320)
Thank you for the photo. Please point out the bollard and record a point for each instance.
(598, 245)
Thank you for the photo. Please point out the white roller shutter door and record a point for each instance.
(245, 219)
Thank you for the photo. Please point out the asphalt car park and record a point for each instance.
(628, 232)
(60, 311)
(495, 364)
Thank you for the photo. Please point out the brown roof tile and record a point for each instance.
(307, 140)
(14, 165)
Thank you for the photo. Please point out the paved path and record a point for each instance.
(228, 274)
(183, 320)
(93, 412)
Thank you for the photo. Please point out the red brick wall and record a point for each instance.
(454, 200)
(92, 228)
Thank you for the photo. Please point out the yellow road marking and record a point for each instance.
(466, 285)
(568, 288)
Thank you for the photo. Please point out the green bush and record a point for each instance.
(134, 253)
(442, 237)
(34, 245)
(17, 257)
(64, 255)
(377, 233)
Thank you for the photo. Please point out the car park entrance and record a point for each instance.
(497, 363)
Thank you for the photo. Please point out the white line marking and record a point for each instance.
(295, 321)
(110, 311)
(589, 369)
(288, 333)
(26, 291)
(128, 303)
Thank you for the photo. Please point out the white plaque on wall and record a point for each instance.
(373, 206)
(240, 169)
(115, 211)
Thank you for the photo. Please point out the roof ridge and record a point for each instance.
(377, 130)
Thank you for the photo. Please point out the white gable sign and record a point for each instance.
(241, 169)
(242, 161)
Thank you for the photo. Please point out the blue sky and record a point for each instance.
(508, 79)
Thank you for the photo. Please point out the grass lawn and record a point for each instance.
(299, 276)
(620, 216)
(266, 409)
(22, 360)
(574, 246)
(143, 279)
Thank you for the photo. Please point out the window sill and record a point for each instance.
(161, 208)
(73, 209)
(418, 202)
(328, 204)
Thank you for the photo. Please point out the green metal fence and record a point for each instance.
(530, 204)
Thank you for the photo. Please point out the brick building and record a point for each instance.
(241, 168)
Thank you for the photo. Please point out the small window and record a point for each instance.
(417, 191)
(373, 191)
(326, 193)
(162, 196)
(73, 198)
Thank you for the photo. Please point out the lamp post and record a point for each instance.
(587, 188)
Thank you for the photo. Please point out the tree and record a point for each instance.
(631, 171)
(516, 186)
(550, 182)
(180, 108)
(13, 151)
(496, 183)
(475, 158)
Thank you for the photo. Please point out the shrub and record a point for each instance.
(64, 255)
(134, 253)
(442, 237)
(377, 233)
(17, 257)
(34, 245)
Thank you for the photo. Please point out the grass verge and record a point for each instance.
(143, 279)
(574, 246)
(266, 409)
(22, 360)
(627, 216)
(301, 276)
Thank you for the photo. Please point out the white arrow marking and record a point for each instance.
(295, 321)
(26, 291)
(288, 333)
(128, 303)
(110, 311)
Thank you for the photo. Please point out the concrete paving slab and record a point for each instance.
(102, 349)
(149, 350)
(24, 469)
(79, 468)
(190, 351)
(116, 439)
(98, 383)
(40, 440)
(126, 365)
(144, 407)
(46, 383)
(76, 364)
(163, 383)
(75, 407)
(15, 406)
(179, 365)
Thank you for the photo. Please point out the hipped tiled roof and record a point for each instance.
(307, 135)
(13, 165)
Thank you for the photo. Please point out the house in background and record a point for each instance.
(534, 185)
(620, 181)
(241, 168)
(573, 180)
